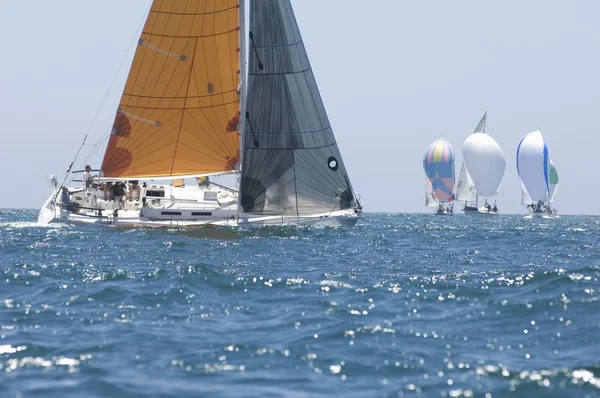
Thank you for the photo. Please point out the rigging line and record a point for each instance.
(96, 147)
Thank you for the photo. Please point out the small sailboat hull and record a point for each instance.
(479, 212)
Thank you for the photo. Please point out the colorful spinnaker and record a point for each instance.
(438, 163)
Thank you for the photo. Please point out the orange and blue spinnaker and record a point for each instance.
(438, 163)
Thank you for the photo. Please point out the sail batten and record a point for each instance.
(179, 112)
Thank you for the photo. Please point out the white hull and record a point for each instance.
(541, 216)
(176, 208)
(480, 212)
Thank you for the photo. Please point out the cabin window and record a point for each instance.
(208, 195)
(170, 213)
(201, 213)
(155, 193)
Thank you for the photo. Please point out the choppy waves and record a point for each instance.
(401, 305)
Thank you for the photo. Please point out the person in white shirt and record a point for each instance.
(87, 177)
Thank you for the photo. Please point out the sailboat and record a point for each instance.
(538, 175)
(207, 95)
(438, 164)
(482, 171)
(545, 210)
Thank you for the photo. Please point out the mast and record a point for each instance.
(243, 85)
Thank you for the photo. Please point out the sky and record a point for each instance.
(395, 75)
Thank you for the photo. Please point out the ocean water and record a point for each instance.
(400, 305)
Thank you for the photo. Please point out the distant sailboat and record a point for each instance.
(546, 210)
(482, 171)
(438, 163)
(207, 95)
(538, 175)
(466, 193)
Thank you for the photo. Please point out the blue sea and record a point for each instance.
(400, 305)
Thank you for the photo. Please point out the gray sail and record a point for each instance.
(291, 163)
(481, 126)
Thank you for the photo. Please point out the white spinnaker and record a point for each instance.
(465, 189)
(485, 163)
(533, 165)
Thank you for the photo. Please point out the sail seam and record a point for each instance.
(192, 37)
(292, 149)
(296, 132)
(281, 73)
(280, 45)
(197, 96)
(198, 13)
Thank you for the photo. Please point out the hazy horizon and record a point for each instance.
(394, 78)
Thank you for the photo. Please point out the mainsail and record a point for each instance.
(525, 198)
(291, 164)
(438, 163)
(481, 126)
(484, 160)
(180, 111)
(465, 188)
(430, 200)
(533, 165)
